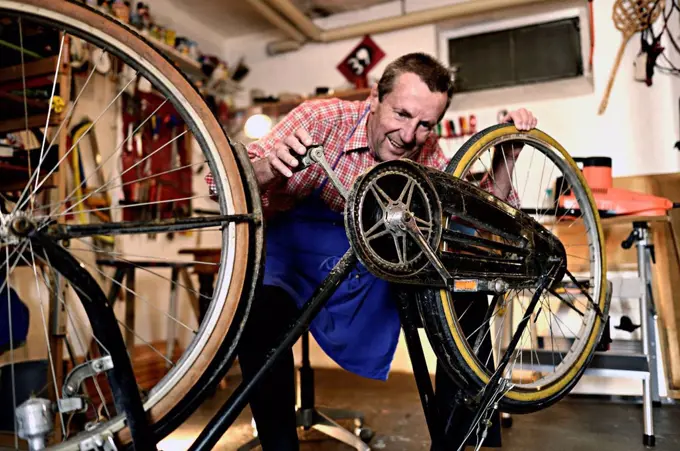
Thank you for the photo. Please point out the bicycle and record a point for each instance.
(399, 218)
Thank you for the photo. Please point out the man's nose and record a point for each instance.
(408, 132)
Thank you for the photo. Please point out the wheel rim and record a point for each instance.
(571, 362)
(228, 240)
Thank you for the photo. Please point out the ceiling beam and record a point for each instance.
(279, 22)
(432, 15)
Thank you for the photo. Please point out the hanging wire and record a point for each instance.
(650, 42)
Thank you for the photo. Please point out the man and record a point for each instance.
(359, 326)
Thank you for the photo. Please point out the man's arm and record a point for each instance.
(271, 155)
(499, 182)
(503, 162)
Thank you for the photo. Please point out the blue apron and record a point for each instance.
(359, 325)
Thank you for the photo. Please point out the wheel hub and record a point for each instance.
(16, 228)
(395, 218)
(21, 225)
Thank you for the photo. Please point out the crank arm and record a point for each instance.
(409, 223)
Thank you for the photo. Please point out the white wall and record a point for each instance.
(644, 118)
(168, 14)
(638, 129)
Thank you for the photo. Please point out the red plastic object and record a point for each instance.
(614, 201)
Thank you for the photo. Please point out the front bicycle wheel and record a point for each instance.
(567, 323)
(169, 141)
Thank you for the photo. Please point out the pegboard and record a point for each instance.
(156, 161)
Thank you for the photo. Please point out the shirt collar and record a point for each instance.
(359, 140)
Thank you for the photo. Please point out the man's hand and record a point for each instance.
(280, 161)
(503, 163)
(522, 118)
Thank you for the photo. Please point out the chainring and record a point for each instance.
(374, 205)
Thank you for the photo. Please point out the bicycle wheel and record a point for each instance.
(182, 139)
(565, 327)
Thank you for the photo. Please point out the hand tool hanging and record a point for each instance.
(630, 17)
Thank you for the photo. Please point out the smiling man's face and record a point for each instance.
(400, 124)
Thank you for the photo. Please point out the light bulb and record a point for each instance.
(257, 126)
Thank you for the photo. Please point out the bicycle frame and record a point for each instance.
(530, 256)
(473, 205)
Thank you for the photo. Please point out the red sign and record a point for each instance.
(360, 61)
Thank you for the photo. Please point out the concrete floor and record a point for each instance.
(392, 409)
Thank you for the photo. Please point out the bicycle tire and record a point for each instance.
(218, 351)
(441, 325)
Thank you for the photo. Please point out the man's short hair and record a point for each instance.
(433, 73)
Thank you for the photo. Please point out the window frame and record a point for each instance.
(578, 85)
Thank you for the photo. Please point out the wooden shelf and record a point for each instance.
(185, 63)
(45, 66)
(35, 121)
(15, 178)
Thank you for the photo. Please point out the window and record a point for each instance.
(516, 52)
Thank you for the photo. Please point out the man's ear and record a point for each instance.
(374, 98)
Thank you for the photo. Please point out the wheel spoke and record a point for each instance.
(115, 152)
(85, 350)
(49, 109)
(146, 300)
(11, 341)
(20, 205)
(381, 196)
(33, 265)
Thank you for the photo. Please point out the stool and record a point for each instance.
(125, 269)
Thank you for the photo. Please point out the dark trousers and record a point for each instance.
(272, 403)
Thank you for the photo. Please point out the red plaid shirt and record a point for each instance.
(332, 123)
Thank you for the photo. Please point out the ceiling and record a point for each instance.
(324, 8)
(232, 18)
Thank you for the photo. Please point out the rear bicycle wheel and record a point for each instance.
(564, 329)
(189, 140)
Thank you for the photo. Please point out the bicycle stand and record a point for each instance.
(649, 327)
(406, 302)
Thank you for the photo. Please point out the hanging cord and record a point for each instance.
(651, 44)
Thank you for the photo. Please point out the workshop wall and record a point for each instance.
(177, 15)
(152, 289)
(645, 118)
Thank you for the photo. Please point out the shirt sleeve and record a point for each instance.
(302, 116)
(487, 185)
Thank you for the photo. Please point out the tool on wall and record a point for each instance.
(467, 126)
(630, 17)
(157, 176)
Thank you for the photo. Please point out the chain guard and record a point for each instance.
(382, 197)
